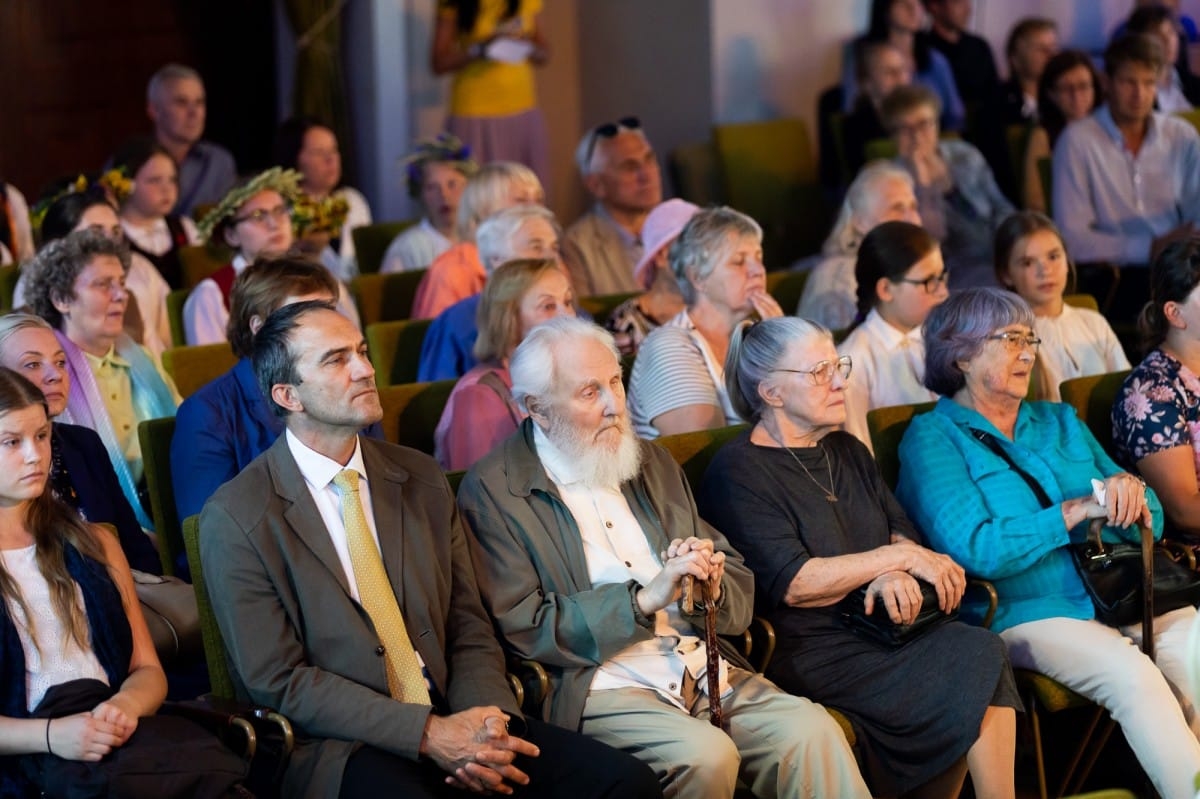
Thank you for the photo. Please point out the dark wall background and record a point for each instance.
(73, 79)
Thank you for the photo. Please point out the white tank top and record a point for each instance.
(51, 655)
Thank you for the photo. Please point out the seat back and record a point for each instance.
(1191, 116)
(155, 437)
(371, 243)
(601, 306)
(1085, 301)
(695, 450)
(1016, 137)
(395, 349)
(1092, 398)
(386, 298)
(9, 274)
(175, 301)
(694, 171)
(886, 427)
(1046, 175)
(198, 261)
(411, 412)
(214, 643)
(769, 171)
(786, 287)
(193, 367)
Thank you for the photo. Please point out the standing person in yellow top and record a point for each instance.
(490, 47)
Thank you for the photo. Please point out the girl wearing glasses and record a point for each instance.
(255, 219)
(806, 506)
(901, 278)
(1003, 485)
(1032, 260)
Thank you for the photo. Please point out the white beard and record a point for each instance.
(599, 464)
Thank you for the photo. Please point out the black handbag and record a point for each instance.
(1113, 576)
(878, 625)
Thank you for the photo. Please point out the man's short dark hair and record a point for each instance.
(273, 360)
(1134, 48)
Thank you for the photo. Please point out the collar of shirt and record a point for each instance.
(109, 359)
(1109, 126)
(889, 336)
(428, 228)
(628, 240)
(239, 263)
(319, 470)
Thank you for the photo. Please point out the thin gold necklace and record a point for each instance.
(829, 495)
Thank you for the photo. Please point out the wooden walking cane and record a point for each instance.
(713, 670)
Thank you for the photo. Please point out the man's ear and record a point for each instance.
(537, 411)
(285, 396)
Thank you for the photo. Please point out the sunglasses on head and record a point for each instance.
(610, 129)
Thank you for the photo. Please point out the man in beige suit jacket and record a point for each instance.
(279, 570)
(620, 171)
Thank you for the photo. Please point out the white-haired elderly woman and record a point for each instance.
(882, 192)
(1003, 486)
(678, 380)
(458, 273)
(522, 231)
(806, 505)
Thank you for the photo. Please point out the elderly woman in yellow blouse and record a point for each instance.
(78, 286)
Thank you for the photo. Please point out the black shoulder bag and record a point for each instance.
(1114, 574)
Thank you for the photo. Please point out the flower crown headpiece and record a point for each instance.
(445, 147)
(115, 184)
(284, 181)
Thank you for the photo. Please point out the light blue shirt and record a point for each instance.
(973, 506)
(1111, 204)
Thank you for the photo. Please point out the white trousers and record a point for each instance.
(1151, 700)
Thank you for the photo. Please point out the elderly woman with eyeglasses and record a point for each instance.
(901, 278)
(806, 506)
(1003, 486)
(678, 379)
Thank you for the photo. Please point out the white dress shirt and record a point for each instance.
(889, 367)
(617, 550)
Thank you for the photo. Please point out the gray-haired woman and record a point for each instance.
(805, 504)
(967, 477)
(678, 380)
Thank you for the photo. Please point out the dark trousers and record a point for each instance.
(570, 766)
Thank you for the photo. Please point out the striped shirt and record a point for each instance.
(675, 368)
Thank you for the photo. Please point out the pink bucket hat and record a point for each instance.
(662, 226)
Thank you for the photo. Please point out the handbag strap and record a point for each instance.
(989, 441)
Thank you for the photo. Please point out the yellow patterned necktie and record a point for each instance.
(405, 681)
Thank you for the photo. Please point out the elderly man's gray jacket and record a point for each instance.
(533, 574)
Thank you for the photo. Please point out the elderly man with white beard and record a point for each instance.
(582, 535)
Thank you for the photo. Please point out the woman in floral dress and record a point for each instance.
(1156, 416)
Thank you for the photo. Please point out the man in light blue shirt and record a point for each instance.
(1127, 179)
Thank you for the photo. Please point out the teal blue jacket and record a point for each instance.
(973, 506)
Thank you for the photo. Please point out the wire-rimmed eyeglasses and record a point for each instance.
(822, 373)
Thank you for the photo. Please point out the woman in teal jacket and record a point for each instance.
(965, 479)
